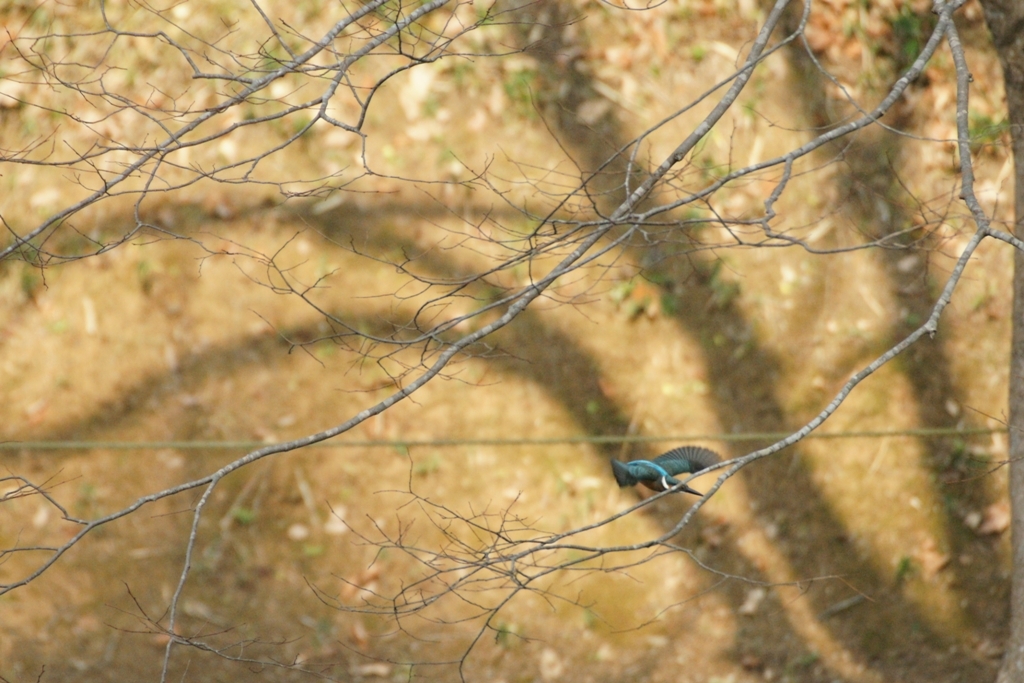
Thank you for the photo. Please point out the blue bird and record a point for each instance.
(659, 474)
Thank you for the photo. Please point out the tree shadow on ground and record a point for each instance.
(882, 632)
(781, 486)
(742, 395)
(879, 204)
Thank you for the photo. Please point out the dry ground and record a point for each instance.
(156, 342)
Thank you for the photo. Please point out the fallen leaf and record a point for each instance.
(657, 641)
(336, 525)
(995, 520)
(359, 635)
(755, 596)
(377, 670)
(608, 389)
(591, 111)
(551, 665)
(365, 580)
(751, 662)
(41, 517)
(972, 520)
(36, 411)
(986, 648)
(932, 561)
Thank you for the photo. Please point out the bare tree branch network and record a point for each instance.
(403, 193)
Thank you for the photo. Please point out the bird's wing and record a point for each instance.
(687, 459)
(645, 469)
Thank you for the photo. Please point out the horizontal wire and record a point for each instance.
(554, 441)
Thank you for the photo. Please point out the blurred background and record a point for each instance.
(877, 552)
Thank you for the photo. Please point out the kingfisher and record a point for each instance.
(659, 474)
